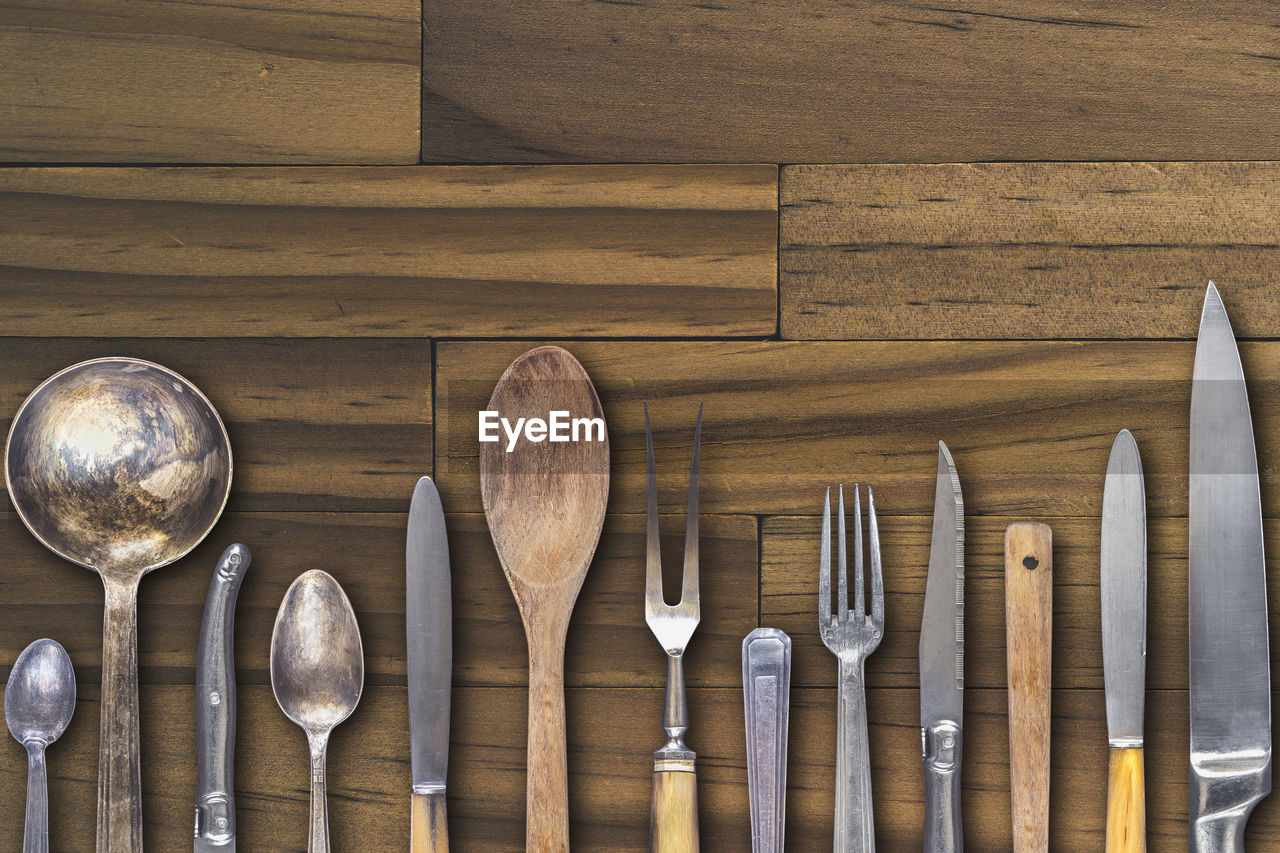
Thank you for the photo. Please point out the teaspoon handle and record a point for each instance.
(318, 836)
(119, 774)
(35, 838)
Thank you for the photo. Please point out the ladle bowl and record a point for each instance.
(121, 466)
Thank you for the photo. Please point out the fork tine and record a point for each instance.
(653, 596)
(877, 576)
(842, 594)
(689, 592)
(859, 607)
(824, 566)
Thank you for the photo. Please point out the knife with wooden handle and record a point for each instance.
(429, 628)
(1028, 590)
(1123, 582)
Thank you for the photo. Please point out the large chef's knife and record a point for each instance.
(942, 664)
(429, 620)
(1227, 597)
(1124, 641)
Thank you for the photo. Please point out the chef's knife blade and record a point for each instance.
(1123, 559)
(942, 664)
(1230, 674)
(429, 622)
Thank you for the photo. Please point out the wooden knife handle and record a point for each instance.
(429, 830)
(1028, 587)
(1126, 803)
(673, 826)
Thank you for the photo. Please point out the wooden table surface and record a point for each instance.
(658, 187)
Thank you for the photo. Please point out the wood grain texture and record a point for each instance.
(1025, 250)
(321, 425)
(1028, 572)
(293, 81)
(673, 823)
(429, 830)
(582, 251)
(609, 644)
(821, 81)
(1126, 802)
(1030, 423)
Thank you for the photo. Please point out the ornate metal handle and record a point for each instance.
(942, 750)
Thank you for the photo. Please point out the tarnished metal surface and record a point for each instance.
(39, 700)
(766, 687)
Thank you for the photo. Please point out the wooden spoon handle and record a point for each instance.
(119, 769)
(1028, 578)
(547, 797)
(1126, 802)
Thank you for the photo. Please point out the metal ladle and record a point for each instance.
(121, 466)
(317, 675)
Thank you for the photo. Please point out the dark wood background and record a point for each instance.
(348, 316)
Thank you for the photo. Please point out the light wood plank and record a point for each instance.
(319, 425)
(286, 81)
(609, 644)
(1030, 423)
(478, 252)
(824, 81)
(1026, 250)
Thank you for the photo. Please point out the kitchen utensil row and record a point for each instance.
(123, 466)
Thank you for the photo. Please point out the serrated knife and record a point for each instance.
(942, 665)
(1230, 672)
(1123, 558)
(429, 622)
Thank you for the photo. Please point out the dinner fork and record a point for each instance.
(673, 825)
(851, 635)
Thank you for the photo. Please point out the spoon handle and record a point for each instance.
(119, 775)
(547, 805)
(318, 835)
(35, 838)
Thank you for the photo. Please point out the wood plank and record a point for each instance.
(1026, 250)
(789, 596)
(1030, 423)
(609, 643)
(321, 425)
(474, 252)
(284, 82)
(823, 81)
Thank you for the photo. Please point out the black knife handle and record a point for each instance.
(216, 703)
(942, 751)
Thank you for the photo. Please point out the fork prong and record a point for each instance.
(689, 590)
(859, 597)
(824, 566)
(877, 575)
(842, 593)
(653, 597)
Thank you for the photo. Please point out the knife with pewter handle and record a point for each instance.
(942, 665)
(766, 688)
(1123, 577)
(429, 624)
(1230, 674)
(216, 707)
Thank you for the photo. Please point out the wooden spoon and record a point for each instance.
(545, 503)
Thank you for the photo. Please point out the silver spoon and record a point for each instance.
(38, 703)
(317, 675)
(120, 466)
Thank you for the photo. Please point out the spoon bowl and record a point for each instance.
(317, 675)
(121, 466)
(39, 699)
(545, 503)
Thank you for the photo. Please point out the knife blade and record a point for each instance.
(1230, 676)
(942, 664)
(429, 623)
(1123, 574)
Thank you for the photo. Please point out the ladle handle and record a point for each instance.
(547, 804)
(119, 769)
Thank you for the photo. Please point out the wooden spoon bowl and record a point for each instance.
(545, 503)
